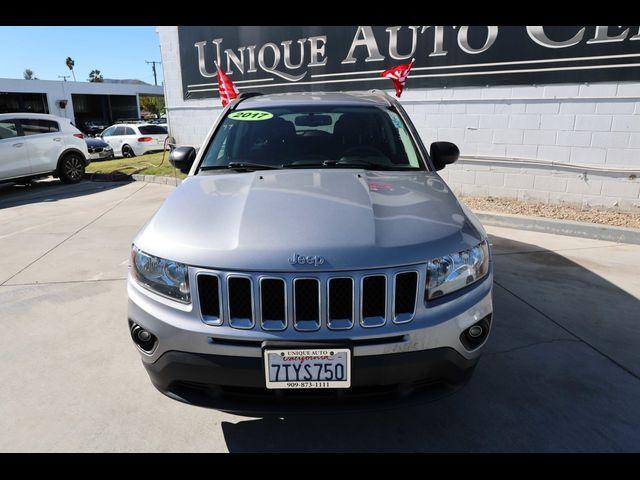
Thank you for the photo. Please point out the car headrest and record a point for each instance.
(355, 128)
(274, 130)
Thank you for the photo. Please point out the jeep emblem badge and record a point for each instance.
(314, 260)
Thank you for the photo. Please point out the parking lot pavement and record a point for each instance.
(561, 371)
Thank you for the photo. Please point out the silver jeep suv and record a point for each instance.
(313, 259)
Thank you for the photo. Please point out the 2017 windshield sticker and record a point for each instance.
(251, 115)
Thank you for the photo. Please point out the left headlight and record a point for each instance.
(161, 276)
(453, 272)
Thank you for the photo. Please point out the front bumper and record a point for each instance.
(104, 155)
(237, 384)
(220, 367)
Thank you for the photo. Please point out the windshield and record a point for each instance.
(369, 137)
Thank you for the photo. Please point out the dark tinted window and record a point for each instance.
(314, 135)
(23, 102)
(37, 126)
(129, 131)
(118, 131)
(153, 130)
(8, 129)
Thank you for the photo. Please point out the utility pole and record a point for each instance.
(64, 77)
(153, 67)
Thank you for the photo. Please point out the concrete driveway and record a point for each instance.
(561, 372)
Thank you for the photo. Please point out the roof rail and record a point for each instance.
(381, 93)
(244, 96)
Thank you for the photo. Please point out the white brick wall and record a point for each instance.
(595, 124)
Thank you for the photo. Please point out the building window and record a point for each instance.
(11, 102)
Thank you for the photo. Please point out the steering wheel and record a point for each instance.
(362, 151)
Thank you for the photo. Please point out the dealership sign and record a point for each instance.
(286, 59)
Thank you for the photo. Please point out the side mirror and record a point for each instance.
(182, 158)
(443, 154)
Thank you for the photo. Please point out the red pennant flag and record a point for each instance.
(398, 75)
(226, 88)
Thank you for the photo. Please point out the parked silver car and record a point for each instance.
(312, 259)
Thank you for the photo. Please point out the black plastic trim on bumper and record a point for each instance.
(237, 384)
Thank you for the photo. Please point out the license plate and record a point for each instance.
(308, 368)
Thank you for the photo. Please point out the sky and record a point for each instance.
(118, 52)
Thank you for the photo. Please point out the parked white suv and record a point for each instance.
(36, 145)
(131, 139)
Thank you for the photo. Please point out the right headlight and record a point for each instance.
(453, 272)
(161, 276)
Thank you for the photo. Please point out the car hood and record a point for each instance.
(354, 219)
(95, 143)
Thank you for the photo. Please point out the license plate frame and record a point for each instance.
(322, 362)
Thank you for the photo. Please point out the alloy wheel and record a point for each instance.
(73, 168)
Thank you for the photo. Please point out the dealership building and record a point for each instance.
(78, 101)
(539, 113)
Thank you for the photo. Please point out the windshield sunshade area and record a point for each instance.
(368, 137)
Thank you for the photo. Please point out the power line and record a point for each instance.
(153, 67)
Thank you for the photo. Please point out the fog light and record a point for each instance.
(476, 334)
(143, 338)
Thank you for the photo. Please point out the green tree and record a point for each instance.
(70, 63)
(152, 104)
(95, 76)
(28, 74)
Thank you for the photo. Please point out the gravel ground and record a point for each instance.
(560, 212)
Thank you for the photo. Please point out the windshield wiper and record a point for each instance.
(358, 164)
(304, 165)
(338, 164)
(241, 166)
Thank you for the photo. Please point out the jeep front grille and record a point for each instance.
(340, 300)
(273, 303)
(308, 302)
(240, 296)
(404, 302)
(374, 301)
(209, 296)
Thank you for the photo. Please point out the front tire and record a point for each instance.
(71, 169)
(127, 151)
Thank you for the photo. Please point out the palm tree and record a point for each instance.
(95, 76)
(28, 74)
(70, 63)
